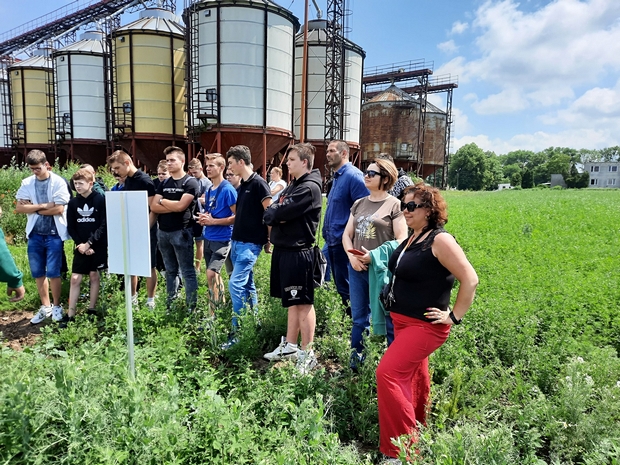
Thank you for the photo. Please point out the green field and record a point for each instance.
(531, 377)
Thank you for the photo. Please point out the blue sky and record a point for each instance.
(531, 74)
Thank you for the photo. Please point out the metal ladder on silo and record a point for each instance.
(5, 103)
(51, 91)
(191, 72)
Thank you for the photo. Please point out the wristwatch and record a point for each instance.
(455, 320)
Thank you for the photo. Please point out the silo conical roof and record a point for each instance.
(32, 62)
(155, 20)
(396, 94)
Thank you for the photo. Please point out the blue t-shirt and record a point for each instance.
(44, 225)
(348, 186)
(218, 202)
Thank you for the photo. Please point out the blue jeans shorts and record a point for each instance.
(45, 255)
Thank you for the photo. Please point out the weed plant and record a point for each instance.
(531, 377)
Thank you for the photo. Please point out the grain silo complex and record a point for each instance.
(81, 99)
(32, 103)
(240, 68)
(148, 101)
(315, 94)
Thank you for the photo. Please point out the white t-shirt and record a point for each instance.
(272, 186)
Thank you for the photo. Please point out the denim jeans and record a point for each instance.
(241, 282)
(177, 250)
(45, 255)
(339, 263)
(360, 306)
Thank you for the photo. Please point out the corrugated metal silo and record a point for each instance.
(32, 103)
(149, 73)
(243, 74)
(315, 116)
(390, 123)
(81, 99)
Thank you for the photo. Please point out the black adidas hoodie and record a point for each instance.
(86, 220)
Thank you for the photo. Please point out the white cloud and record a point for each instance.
(597, 108)
(506, 101)
(448, 47)
(540, 140)
(563, 44)
(455, 67)
(459, 27)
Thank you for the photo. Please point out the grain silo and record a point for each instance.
(391, 123)
(81, 99)
(315, 113)
(148, 59)
(240, 68)
(32, 104)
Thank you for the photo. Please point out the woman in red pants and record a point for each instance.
(424, 268)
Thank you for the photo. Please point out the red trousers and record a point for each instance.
(403, 381)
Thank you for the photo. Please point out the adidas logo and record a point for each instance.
(85, 212)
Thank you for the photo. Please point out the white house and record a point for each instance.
(603, 174)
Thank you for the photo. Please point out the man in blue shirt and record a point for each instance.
(348, 186)
(218, 219)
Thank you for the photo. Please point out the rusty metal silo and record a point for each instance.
(390, 124)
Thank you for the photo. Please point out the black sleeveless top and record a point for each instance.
(420, 281)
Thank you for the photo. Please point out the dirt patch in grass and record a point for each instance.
(17, 332)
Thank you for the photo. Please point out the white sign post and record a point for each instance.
(129, 247)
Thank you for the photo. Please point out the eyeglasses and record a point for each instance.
(372, 173)
(410, 206)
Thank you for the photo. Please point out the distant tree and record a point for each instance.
(527, 179)
(467, 168)
(610, 154)
(559, 163)
(577, 180)
(512, 169)
(493, 173)
(515, 179)
(516, 157)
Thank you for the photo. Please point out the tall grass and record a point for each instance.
(531, 377)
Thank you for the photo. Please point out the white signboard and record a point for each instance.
(129, 241)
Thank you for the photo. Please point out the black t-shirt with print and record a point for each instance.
(172, 189)
(249, 225)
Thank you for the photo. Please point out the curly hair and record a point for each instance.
(431, 198)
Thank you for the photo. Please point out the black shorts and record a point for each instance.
(84, 264)
(215, 253)
(291, 276)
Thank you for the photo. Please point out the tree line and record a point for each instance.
(471, 168)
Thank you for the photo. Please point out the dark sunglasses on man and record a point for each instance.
(410, 206)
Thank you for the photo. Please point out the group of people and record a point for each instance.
(382, 234)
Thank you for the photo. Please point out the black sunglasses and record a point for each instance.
(371, 173)
(410, 206)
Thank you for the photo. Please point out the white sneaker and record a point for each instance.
(150, 304)
(57, 312)
(285, 350)
(43, 313)
(306, 361)
(134, 300)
